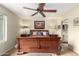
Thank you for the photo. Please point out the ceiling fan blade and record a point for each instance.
(29, 8)
(42, 14)
(34, 13)
(50, 10)
(41, 5)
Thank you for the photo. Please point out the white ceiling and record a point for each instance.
(18, 9)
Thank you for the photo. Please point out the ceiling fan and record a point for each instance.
(40, 10)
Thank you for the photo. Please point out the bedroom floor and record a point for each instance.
(65, 52)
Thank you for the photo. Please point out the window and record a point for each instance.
(3, 28)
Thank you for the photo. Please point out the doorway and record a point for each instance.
(64, 30)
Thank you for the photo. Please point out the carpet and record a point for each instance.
(38, 54)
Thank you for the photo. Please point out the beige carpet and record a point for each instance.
(64, 52)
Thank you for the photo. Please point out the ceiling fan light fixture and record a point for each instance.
(40, 10)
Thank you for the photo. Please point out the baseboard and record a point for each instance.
(74, 52)
(6, 50)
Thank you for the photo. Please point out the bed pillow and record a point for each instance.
(45, 33)
(34, 33)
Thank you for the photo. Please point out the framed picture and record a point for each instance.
(39, 24)
(76, 21)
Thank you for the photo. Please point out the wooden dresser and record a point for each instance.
(39, 44)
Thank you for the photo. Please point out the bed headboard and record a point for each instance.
(39, 32)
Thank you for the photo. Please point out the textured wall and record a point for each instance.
(73, 31)
(12, 30)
